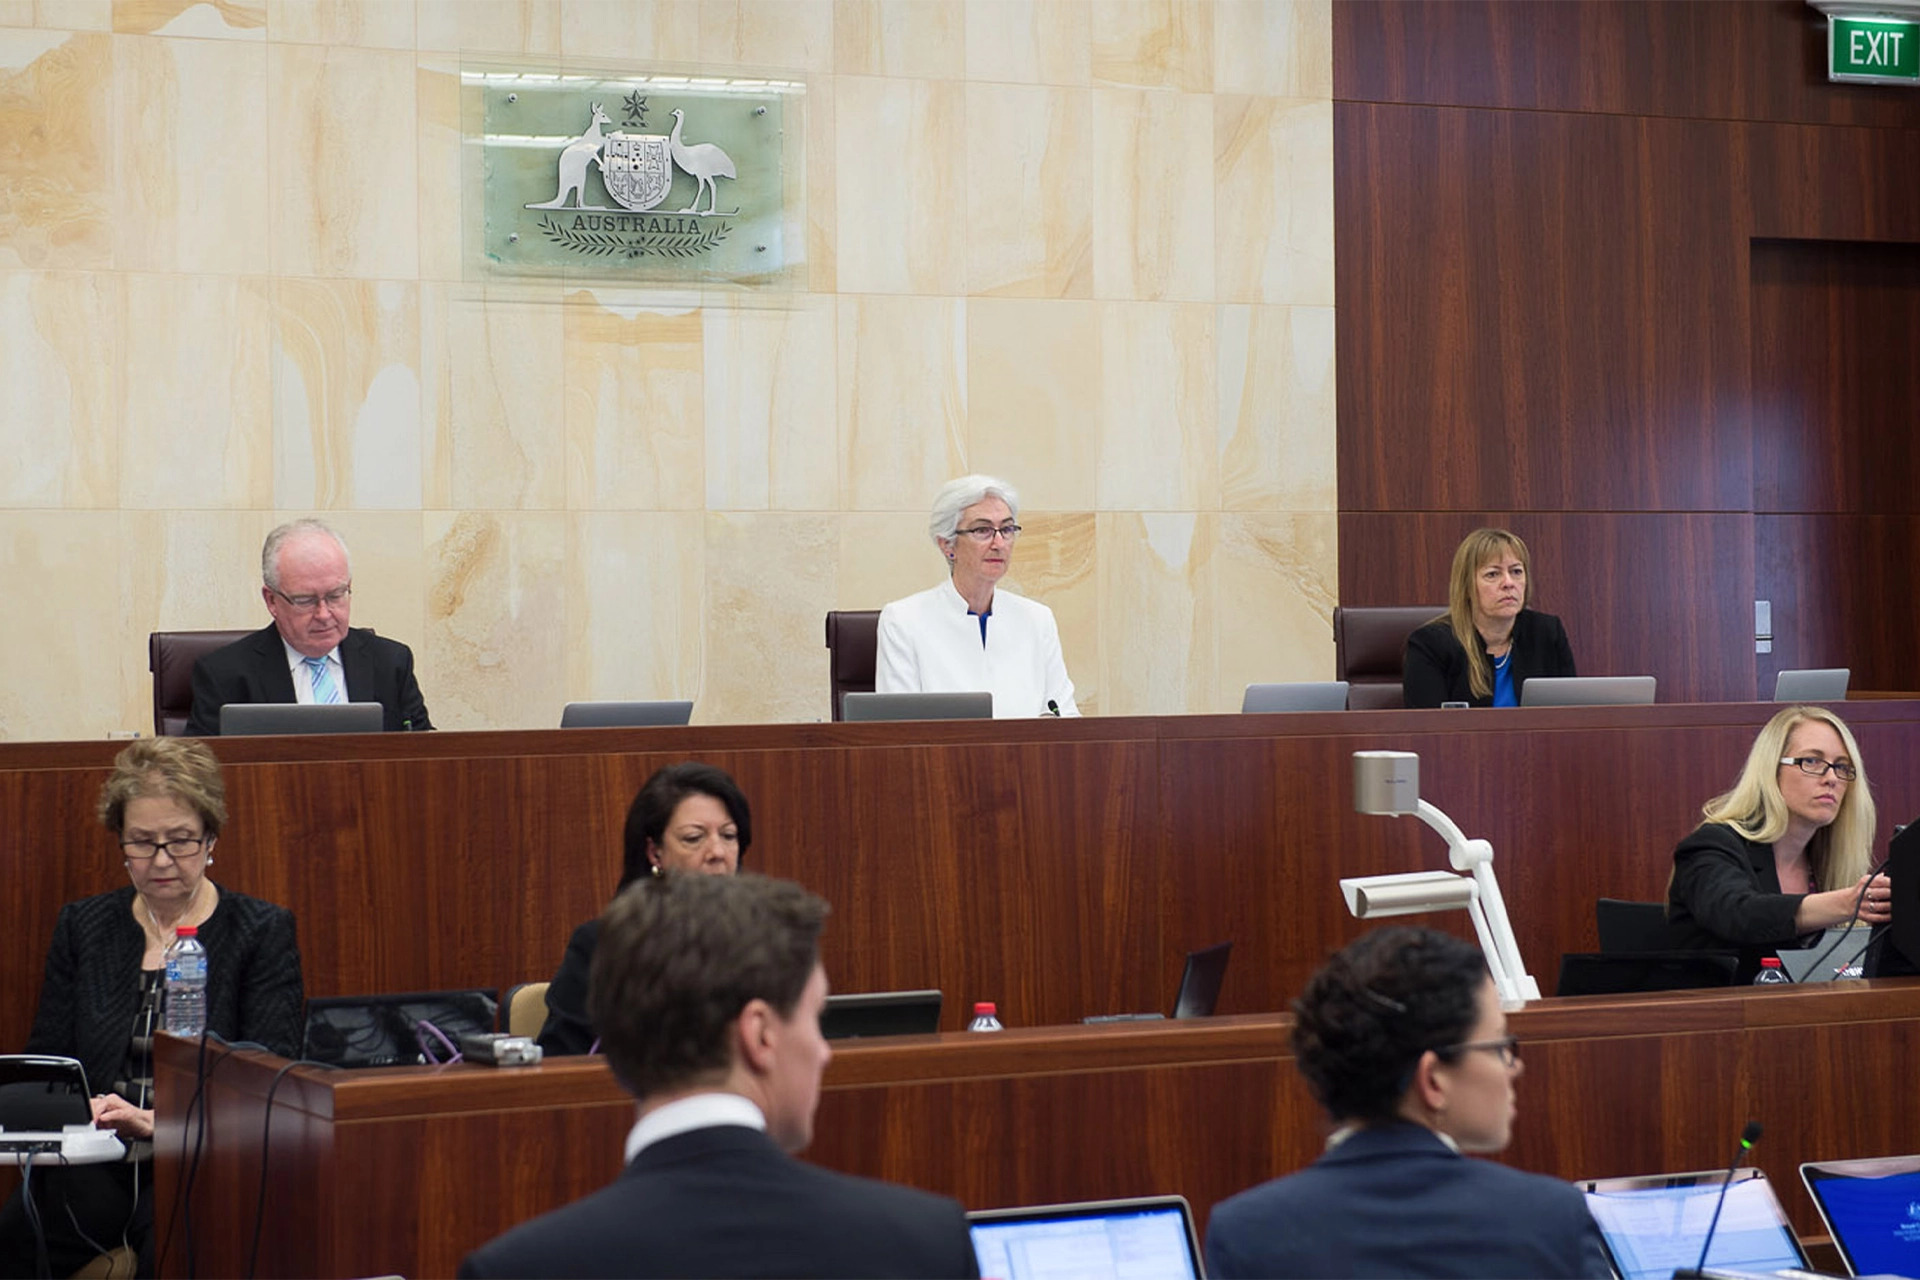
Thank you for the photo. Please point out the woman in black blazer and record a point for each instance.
(100, 998)
(1488, 644)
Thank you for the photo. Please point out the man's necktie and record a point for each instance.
(325, 691)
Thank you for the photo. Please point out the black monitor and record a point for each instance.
(881, 1013)
(1896, 953)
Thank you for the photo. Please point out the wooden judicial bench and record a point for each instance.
(1060, 868)
(403, 1170)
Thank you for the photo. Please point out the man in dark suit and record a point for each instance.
(309, 654)
(1401, 1037)
(707, 992)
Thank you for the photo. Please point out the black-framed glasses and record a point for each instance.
(1506, 1048)
(1818, 767)
(307, 604)
(986, 533)
(178, 848)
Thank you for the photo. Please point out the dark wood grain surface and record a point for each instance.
(404, 1170)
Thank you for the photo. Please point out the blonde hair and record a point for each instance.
(1839, 853)
(1474, 553)
(180, 769)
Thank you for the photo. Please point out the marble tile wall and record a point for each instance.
(1083, 244)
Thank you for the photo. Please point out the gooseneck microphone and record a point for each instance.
(1859, 901)
(1748, 1136)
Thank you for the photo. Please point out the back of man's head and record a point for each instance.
(679, 958)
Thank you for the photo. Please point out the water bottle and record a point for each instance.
(186, 1003)
(1770, 973)
(985, 1018)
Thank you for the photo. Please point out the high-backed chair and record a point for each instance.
(170, 656)
(1370, 648)
(853, 641)
(1627, 927)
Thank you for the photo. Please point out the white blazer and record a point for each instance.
(929, 643)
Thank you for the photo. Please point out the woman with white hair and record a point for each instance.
(966, 635)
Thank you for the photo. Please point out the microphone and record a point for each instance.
(1748, 1136)
(1053, 709)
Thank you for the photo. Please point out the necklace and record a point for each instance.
(158, 932)
(1500, 663)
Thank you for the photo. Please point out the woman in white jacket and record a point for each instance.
(966, 634)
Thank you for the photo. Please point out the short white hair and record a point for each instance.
(956, 496)
(270, 550)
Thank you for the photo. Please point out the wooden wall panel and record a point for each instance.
(1843, 592)
(1662, 594)
(1836, 374)
(1746, 61)
(1530, 312)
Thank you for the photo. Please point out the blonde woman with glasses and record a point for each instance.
(1784, 855)
(968, 634)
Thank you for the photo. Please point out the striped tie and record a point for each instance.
(325, 691)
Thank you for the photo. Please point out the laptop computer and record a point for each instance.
(1656, 1225)
(1199, 990)
(881, 1013)
(1149, 1238)
(239, 719)
(624, 715)
(1817, 684)
(1869, 1210)
(1587, 691)
(1840, 953)
(1311, 695)
(45, 1115)
(917, 706)
(387, 1030)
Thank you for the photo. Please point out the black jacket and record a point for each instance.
(567, 1028)
(1725, 896)
(725, 1201)
(1435, 670)
(254, 669)
(91, 992)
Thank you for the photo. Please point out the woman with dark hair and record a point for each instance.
(164, 805)
(1402, 1039)
(687, 818)
(1489, 643)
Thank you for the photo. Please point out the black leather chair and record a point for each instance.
(853, 643)
(1370, 650)
(1628, 928)
(170, 656)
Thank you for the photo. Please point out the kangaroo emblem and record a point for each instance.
(581, 152)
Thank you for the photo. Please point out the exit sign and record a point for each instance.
(1872, 50)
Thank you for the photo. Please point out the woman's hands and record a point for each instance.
(1825, 910)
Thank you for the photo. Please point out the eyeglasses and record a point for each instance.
(1506, 1048)
(179, 848)
(986, 533)
(1818, 768)
(307, 604)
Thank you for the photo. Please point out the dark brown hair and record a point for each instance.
(661, 794)
(679, 956)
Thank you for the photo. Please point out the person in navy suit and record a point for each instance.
(707, 992)
(1402, 1039)
(309, 654)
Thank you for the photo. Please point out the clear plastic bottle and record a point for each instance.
(186, 1002)
(985, 1018)
(1770, 973)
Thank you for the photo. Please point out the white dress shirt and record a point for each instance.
(929, 643)
(701, 1111)
(303, 674)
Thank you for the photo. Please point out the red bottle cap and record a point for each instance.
(193, 931)
(1770, 962)
(985, 1008)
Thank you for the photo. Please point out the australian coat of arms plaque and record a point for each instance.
(643, 178)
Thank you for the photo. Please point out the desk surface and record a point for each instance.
(405, 1169)
(1058, 867)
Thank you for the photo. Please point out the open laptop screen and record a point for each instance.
(1655, 1225)
(1146, 1239)
(1872, 1210)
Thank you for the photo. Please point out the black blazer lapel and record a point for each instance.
(275, 677)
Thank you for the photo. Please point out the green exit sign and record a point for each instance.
(1872, 50)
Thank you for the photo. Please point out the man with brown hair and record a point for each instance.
(707, 992)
